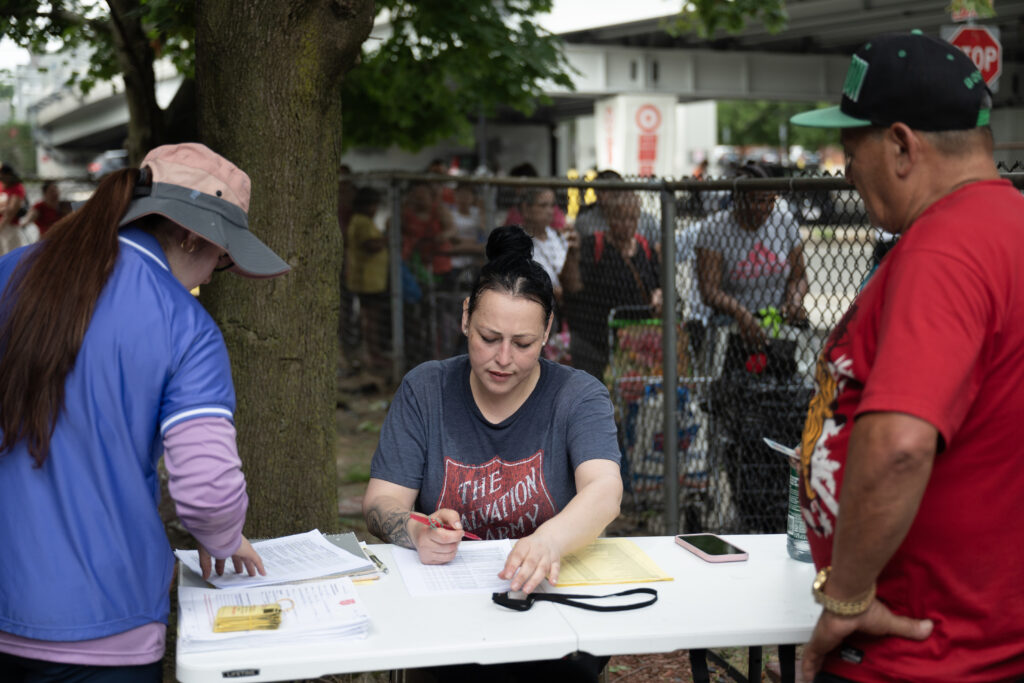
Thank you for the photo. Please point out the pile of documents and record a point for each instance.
(290, 558)
(309, 578)
(321, 611)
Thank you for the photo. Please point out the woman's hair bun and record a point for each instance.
(509, 241)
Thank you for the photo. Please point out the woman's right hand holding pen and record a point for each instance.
(435, 544)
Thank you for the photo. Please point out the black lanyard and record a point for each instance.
(572, 600)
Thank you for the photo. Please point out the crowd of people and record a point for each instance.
(17, 213)
(908, 463)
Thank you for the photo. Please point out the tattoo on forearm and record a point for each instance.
(389, 526)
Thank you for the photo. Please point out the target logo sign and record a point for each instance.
(648, 118)
(984, 49)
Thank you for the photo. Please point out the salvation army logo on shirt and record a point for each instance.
(498, 499)
(760, 261)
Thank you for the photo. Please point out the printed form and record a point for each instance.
(474, 569)
(289, 558)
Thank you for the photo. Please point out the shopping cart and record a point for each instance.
(746, 399)
(634, 377)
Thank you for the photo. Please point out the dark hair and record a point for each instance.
(366, 198)
(523, 170)
(510, 269)
(608, 174)
(48, 184)
(7, 169)
(753, 169)
(46, 308)
(528, 195)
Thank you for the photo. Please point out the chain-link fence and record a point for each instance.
(757, 271)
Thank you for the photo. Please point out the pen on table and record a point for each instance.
(434, 524)
(381, 567)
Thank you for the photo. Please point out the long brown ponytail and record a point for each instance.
(46, 308)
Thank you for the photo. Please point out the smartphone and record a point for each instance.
(711, 548)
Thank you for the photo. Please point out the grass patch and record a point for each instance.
(357, 474)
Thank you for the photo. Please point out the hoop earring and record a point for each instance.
(190, 250)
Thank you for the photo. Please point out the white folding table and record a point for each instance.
(763, 601)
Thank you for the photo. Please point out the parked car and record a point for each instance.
(111, 160)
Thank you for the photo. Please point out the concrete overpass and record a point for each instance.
(805, 62)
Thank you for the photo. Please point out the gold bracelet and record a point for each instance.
(843, 608)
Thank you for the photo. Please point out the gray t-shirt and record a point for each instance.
(755, 265)
(504, 479)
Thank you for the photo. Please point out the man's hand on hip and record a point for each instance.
(878, 620)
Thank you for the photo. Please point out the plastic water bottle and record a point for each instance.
(796, 533)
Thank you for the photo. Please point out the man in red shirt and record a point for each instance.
(48, 210)
(911, 455)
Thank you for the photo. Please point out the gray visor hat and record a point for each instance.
(213, 219)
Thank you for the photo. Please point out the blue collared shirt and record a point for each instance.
(86, 554)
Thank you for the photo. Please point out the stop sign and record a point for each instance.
(984, 49)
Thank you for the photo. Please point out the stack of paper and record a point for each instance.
(322, 611)
(289, 558)
(608, 561)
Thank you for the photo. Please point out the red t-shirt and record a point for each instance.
(938, 333)
(15, 190)
(46, 216)
(419, 235)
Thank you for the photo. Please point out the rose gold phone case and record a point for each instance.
(733, 557)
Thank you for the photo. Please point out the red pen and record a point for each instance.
(434, 524)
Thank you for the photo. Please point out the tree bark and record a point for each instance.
(135, 57)
(268, 77)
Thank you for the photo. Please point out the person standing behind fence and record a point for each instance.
(514, 215)
(750, 262)
(537, 207)
(426, 232)
(47, 210)
(12, 209)
(607, 270)
(467, 247)
(124, 366)
(911, 467)
(594, 218)
(367, 276)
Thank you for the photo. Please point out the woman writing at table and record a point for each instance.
(499, 442)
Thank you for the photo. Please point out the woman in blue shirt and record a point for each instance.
(107, 362)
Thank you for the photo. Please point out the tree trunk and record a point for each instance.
(268, 77)
(135, 57)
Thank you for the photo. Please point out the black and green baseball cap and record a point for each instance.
(911, 78)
